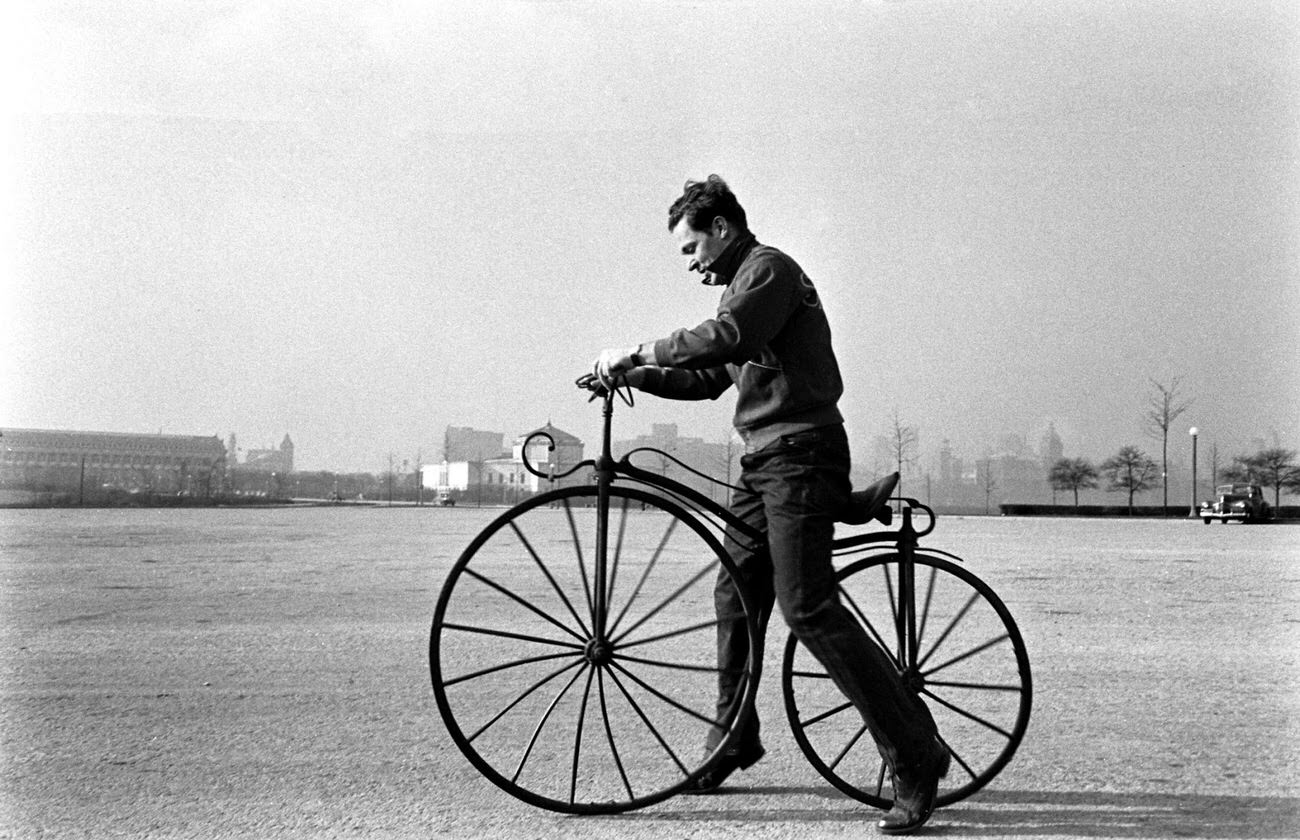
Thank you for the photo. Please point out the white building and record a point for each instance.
(506, 472)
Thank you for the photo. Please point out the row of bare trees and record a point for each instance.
(1131, 470)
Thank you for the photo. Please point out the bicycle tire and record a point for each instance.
(530, 694)
(971, 669)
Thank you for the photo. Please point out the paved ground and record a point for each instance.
(263, 674)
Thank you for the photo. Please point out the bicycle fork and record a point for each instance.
(604, 468)
(905, 619)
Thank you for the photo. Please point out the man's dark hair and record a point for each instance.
(703, 201)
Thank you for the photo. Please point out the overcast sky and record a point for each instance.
(358, 223)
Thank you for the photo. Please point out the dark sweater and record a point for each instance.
(770, 339)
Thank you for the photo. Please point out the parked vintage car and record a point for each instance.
(1239, 502)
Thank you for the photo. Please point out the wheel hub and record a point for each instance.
(912, 679)
(598, 651)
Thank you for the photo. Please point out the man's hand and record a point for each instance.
(612, 362)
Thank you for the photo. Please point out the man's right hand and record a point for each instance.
(614, 361)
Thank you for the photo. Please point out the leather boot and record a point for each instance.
(915, 790)
(740, 758)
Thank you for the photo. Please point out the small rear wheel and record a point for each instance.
(574, 698)
(969, 666)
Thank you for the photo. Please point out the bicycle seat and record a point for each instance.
(872, 502)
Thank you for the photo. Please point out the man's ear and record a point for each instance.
(720, 227)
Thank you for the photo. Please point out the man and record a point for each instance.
(770, 338)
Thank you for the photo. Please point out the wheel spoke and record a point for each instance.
(677, 593)
(968, 654)
(577, 737)
(664, 697)
(829, 713)
(650, 727)
(870, 627)
(645, 576)
(510, 634)
(857, 736)
(692, 628)
(898, 648)
(947, 631)
(525, 603)
(550, 578)
(522, 696)
(582, 564)
(961, 761)
(609, 731)
(976, 686)
(811, 675)
(541, 724)
(506, 666)
(618, 553)
(672, 666)
(987, 724)
(925, 608)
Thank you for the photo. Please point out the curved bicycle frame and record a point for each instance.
(607, 470)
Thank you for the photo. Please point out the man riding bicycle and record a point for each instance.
(770, 339)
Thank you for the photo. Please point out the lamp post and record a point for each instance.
(1193, 432)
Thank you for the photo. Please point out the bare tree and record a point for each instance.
(1073, 474)
(903, 441)
(1130, 469)
(1235, 473)
(1273, 467)
(1164, 407)
(988, 484)
(1214, 464)
(477, 474)
(726, 462)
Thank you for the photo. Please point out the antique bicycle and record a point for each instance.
(573, 646)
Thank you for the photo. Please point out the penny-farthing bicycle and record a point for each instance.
(573, 648)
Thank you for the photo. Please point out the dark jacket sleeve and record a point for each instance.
(683, 384)
(755, 307)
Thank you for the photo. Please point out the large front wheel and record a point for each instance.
(968, 664)
(579, 683)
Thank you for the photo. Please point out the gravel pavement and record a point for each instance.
(263, 674)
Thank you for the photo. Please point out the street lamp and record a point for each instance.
(1193, 432)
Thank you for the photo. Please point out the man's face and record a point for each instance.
(701, 247)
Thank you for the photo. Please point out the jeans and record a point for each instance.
(792, 491)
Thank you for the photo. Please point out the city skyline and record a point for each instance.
(363, 223)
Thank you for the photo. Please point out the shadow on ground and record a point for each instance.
(1043, 813)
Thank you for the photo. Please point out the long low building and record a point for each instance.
(90, 464)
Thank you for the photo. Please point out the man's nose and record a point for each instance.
(695, 266)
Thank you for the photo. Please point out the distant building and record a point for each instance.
(717, 461)
(271, 460)
(500, 476)
(1051, 448)
(1013, 473)
(90, 464)
(461, 443)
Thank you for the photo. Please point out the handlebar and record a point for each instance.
(916, 507)
(604, 389)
